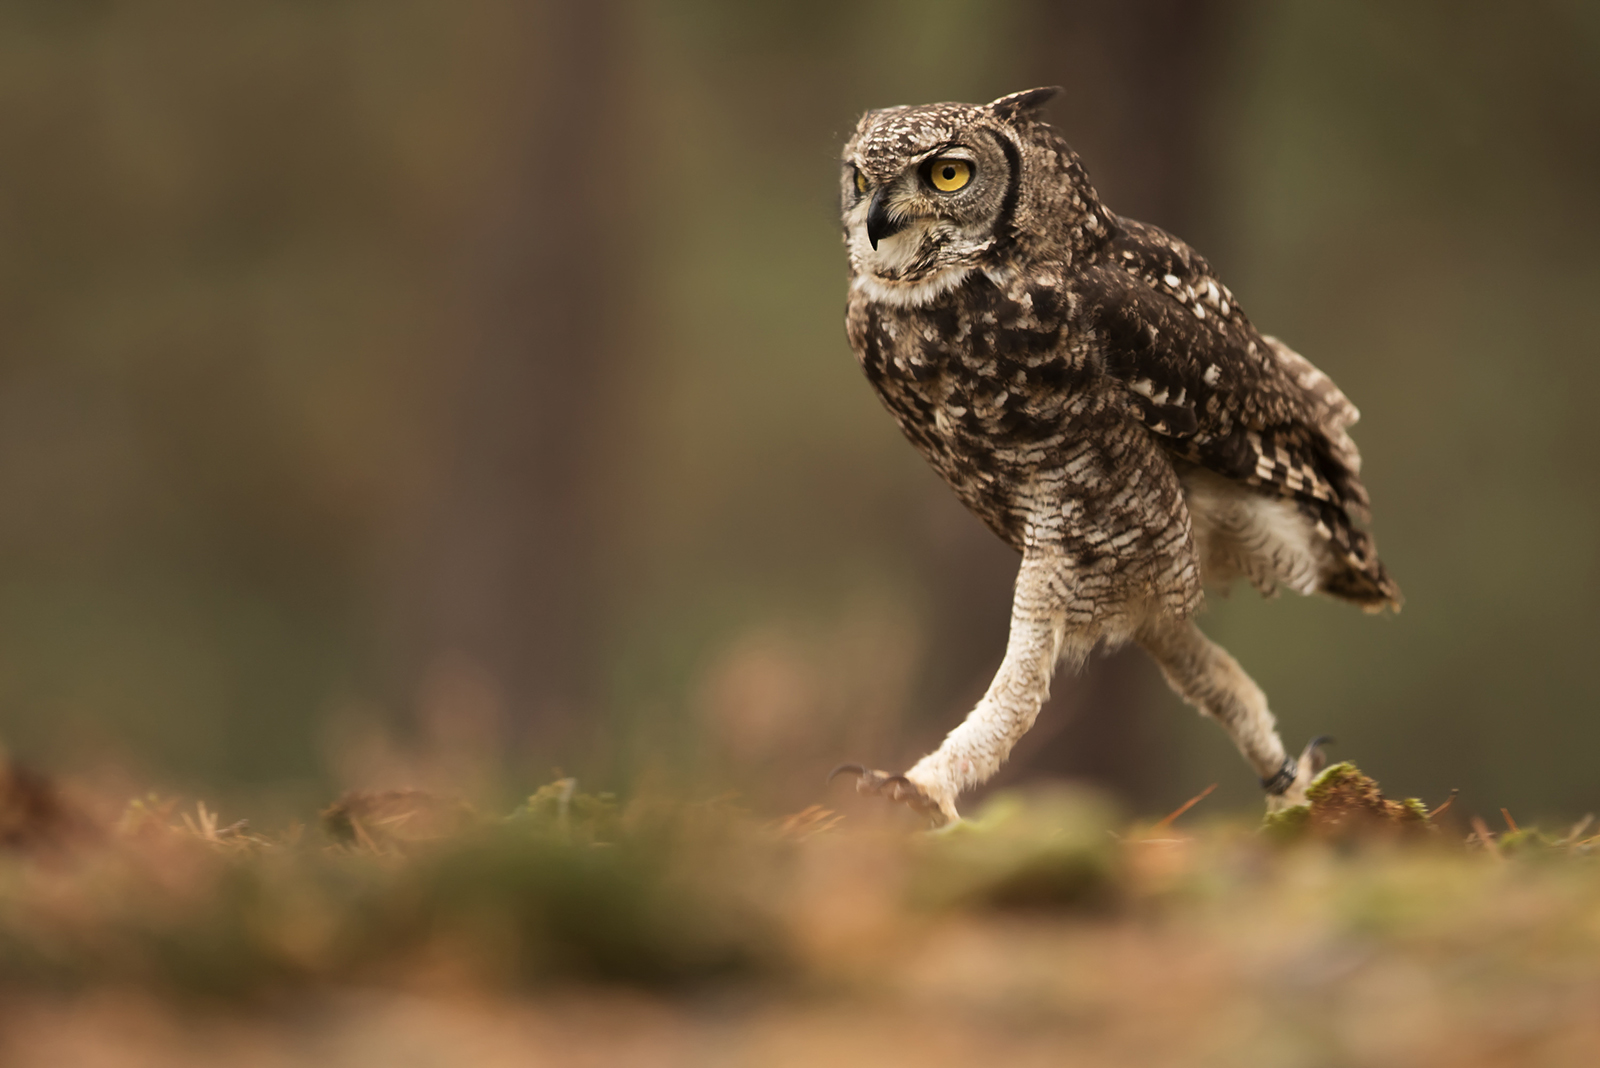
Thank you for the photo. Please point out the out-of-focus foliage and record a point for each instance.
(1047, 849)
(565, 887)
(1044, 926)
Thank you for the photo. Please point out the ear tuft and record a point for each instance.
(1009, 107)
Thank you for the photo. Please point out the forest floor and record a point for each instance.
(413, 930)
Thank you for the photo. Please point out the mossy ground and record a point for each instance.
(582, 929)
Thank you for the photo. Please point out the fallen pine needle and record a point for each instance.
(1444, 805)
(1166, 821)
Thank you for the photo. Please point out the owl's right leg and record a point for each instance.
(1204, 675)
(1040, 637)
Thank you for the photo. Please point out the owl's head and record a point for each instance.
(939, 190)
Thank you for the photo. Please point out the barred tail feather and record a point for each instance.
(1357, 574)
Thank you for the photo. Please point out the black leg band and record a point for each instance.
(1284, 779)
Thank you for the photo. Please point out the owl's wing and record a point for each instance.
(1218, 393)
(1213, 389)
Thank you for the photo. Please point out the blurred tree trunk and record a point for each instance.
(1141, 80)
(509, 584)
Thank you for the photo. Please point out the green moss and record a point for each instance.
(1287, 825)
(666, 894)
(1334, 779)
(1342, 802)
(1529, 840)
(559, 808)
(1041, 848)
(564, 888)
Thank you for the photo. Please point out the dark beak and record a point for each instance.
(879, 225)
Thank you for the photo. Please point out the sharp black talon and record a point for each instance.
(1314, 754)
(893, 787)
(854, 769)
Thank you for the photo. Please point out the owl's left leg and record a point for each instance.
(1203, 673)
(1040, 637)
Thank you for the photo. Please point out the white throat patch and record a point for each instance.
(910, 294)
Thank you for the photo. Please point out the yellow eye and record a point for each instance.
(948, 175)
(861, 182)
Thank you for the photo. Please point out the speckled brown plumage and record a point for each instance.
(1094, 393)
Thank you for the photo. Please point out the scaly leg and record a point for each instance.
(1204, 675)
(1039, 639)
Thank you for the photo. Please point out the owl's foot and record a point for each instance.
(898, 788)
(1288, 788)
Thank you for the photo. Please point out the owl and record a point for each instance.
(1094, 393)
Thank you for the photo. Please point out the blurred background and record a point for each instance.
(463, 384)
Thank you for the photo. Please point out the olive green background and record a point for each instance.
(467, 380)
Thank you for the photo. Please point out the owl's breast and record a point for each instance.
(985, 382)
(979, 361)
